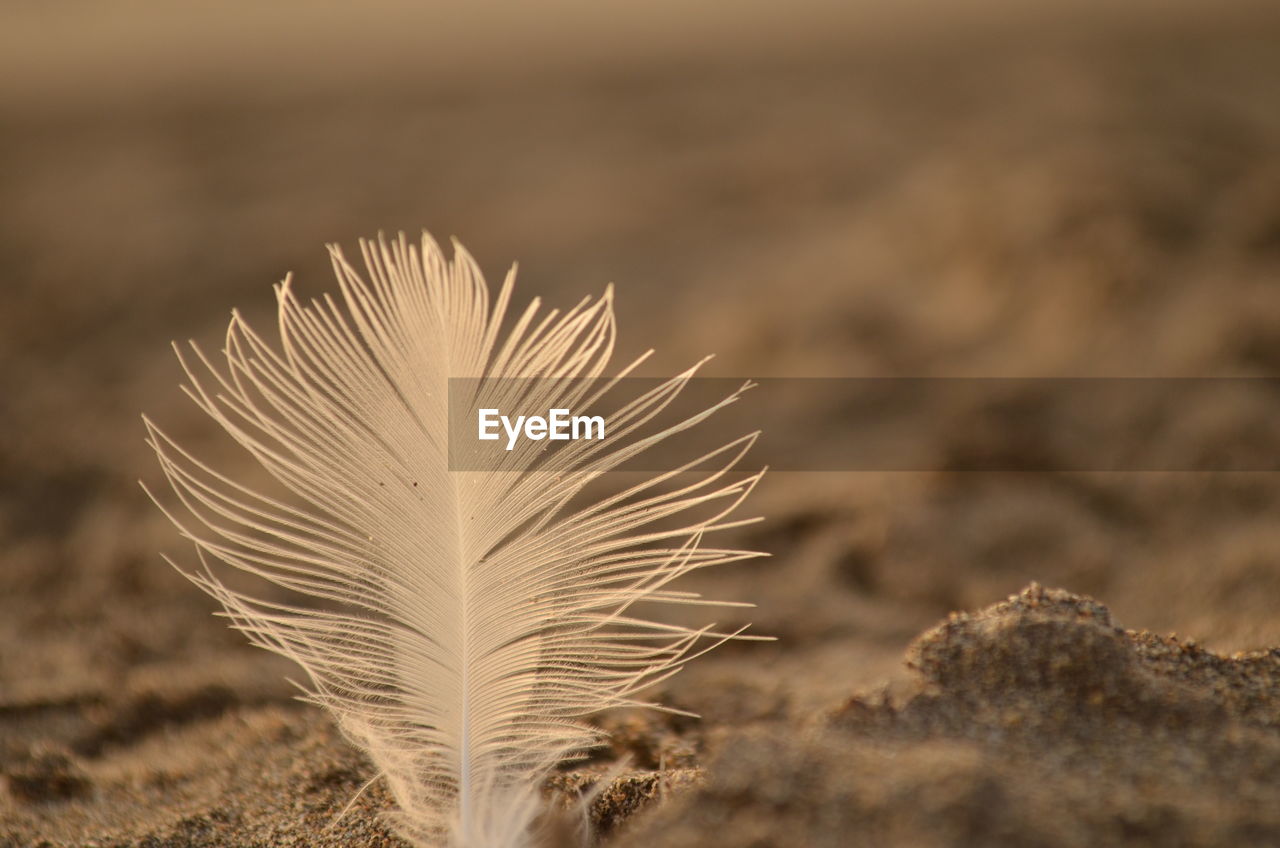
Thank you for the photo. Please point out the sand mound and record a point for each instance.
(1036, 721)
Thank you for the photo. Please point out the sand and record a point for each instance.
(1036, 721)
(1050, 201)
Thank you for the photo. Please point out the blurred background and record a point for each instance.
(984, 188)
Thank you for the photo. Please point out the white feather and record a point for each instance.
(465, 621)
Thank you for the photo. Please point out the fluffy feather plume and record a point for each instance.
(457, 624)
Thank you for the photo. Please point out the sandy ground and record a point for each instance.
(1076, 201)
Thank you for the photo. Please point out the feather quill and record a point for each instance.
(458, 624)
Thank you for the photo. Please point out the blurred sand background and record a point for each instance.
(982, 189)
